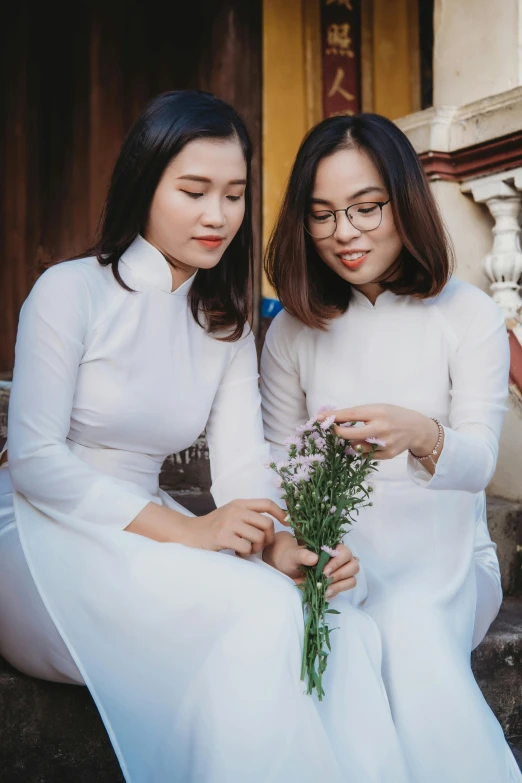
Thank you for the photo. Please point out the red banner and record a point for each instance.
(341, 48)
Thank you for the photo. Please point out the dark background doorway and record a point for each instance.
(71, 83)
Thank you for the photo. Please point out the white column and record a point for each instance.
(502, 194)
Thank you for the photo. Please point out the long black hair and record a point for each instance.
(222, 295)
(306, 286)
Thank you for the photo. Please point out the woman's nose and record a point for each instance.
(214, 214)
(344, 229)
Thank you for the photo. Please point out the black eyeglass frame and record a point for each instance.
(334, 212)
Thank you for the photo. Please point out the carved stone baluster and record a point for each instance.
(503, 264)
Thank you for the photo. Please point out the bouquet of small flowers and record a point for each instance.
(324, 482)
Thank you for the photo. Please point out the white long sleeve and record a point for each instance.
(49, 349)
(239, 453)
(283, 398)
(479, 370)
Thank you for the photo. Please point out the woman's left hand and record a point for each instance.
(287, 556)
(390, 428)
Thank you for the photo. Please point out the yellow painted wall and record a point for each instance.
(291, 104)
(396, 89)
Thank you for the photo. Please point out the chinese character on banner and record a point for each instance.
(340, 33)
(338, 88)
(339, 41)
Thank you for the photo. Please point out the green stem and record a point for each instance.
(314, 601)
(306, 635)
(324, 557)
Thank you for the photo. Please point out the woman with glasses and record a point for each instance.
(415, 362)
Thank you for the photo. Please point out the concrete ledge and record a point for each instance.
(452, 128)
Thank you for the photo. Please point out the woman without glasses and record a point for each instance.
(375, 326)
(123, 357)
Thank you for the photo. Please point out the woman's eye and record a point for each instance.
(320, 217)
(192, 195)
(234, 198)
(367, 210)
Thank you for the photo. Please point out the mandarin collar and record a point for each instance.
(147, 265)
(385, 299)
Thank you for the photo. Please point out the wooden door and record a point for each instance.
(71, 84)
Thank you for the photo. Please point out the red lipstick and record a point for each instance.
(212, 241)
(357, 262)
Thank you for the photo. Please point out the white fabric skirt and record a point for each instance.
(193, 658)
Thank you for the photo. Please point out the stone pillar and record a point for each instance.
(502, 194)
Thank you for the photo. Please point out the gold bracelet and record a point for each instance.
(435, 450)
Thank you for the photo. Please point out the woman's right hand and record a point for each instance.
(239, 525)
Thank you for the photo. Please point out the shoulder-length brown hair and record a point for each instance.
(221, 295)
(307, 288)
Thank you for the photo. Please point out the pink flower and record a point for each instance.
(309, 425)
(330, 551)
(301, 474)
(376, 441)
(312, 459)
(333, 509)
(325, 409)
(327, 423)
(293, 440)
(350, 452)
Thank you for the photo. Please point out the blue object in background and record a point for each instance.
(270, 307)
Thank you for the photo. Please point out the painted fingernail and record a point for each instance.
(311, 559)
(327, 571)
(329, 592)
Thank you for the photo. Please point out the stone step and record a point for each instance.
(497, 666)
(51, 733)
(505, 528)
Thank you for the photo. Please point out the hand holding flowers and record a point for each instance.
(391, 428)
(324, 484)
(289, 557)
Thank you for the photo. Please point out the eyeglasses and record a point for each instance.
(366, 216)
